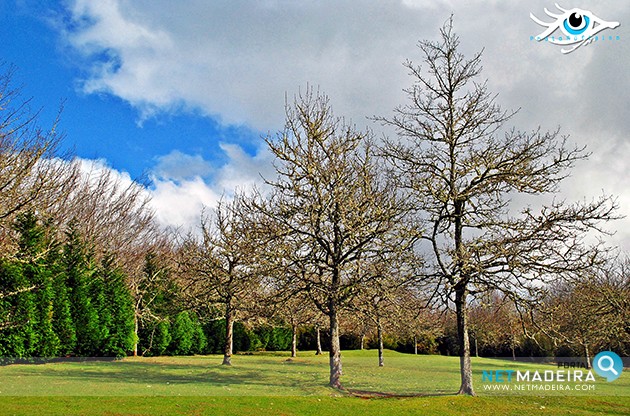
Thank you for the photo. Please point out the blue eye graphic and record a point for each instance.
(577, 27)
(577, 24)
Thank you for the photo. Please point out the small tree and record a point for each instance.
(591, 312)
(382, 303)
(183, 333)
(460, 169)
(152, 290)
(161, 338)
(220, 269)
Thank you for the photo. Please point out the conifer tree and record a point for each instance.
(183, 332)
(63, 324)
(17, 336)
(118, 310)
(80, 272)
(31, 257)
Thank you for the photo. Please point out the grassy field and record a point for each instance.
(271, 384)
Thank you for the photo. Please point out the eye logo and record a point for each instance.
(579, 27)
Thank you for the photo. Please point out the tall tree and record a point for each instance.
(79, 268)
(460, 167)
(33, 255)
(330, 206)
(118, 308)
(35, 175)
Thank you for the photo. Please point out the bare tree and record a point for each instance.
(296, 311)
(331, 203)
(495, 323)
(111, 211)
(590, 313)
(383, 303)
(221, 268)
(460, 167)
(421, 325)
(33, 173)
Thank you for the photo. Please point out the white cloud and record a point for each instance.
(236, 60)
(183, 185)
(95, 169)
(180, 166)
(179, 204)
(244, 171)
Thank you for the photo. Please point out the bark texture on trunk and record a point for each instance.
(379, 330)
(135, 331)
(294, 341)
(335, 351)
(229, 337)
(319, 342)
(464, 343)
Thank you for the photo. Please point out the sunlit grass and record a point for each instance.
(275, 384)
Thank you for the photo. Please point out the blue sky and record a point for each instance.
(100, 125)
(180, 93)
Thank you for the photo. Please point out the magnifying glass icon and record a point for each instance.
(610, 367)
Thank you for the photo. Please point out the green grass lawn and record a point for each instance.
(266, 384)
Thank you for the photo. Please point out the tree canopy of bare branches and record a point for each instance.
(331, 207)
(30, 163)
(460, 166)
(220, 269)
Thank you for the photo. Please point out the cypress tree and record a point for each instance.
(79, 270)
(17, 338)
(118, 315)
(199, 337)
(161, 337)
(46, 340)
(182, 331)
(33, 245)
(63, 324)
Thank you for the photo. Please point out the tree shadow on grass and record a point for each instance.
(165, 378)
(366, 394)
(156, 373)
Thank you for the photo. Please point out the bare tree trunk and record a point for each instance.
(294, 341)
(587, 354)
(464, 343)
(335, 351)
(135, 331)
(476, 347)
(379, 330)
(513, 346)
(319, 341)
(362, 341)
(415, 345)
(229, 337)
